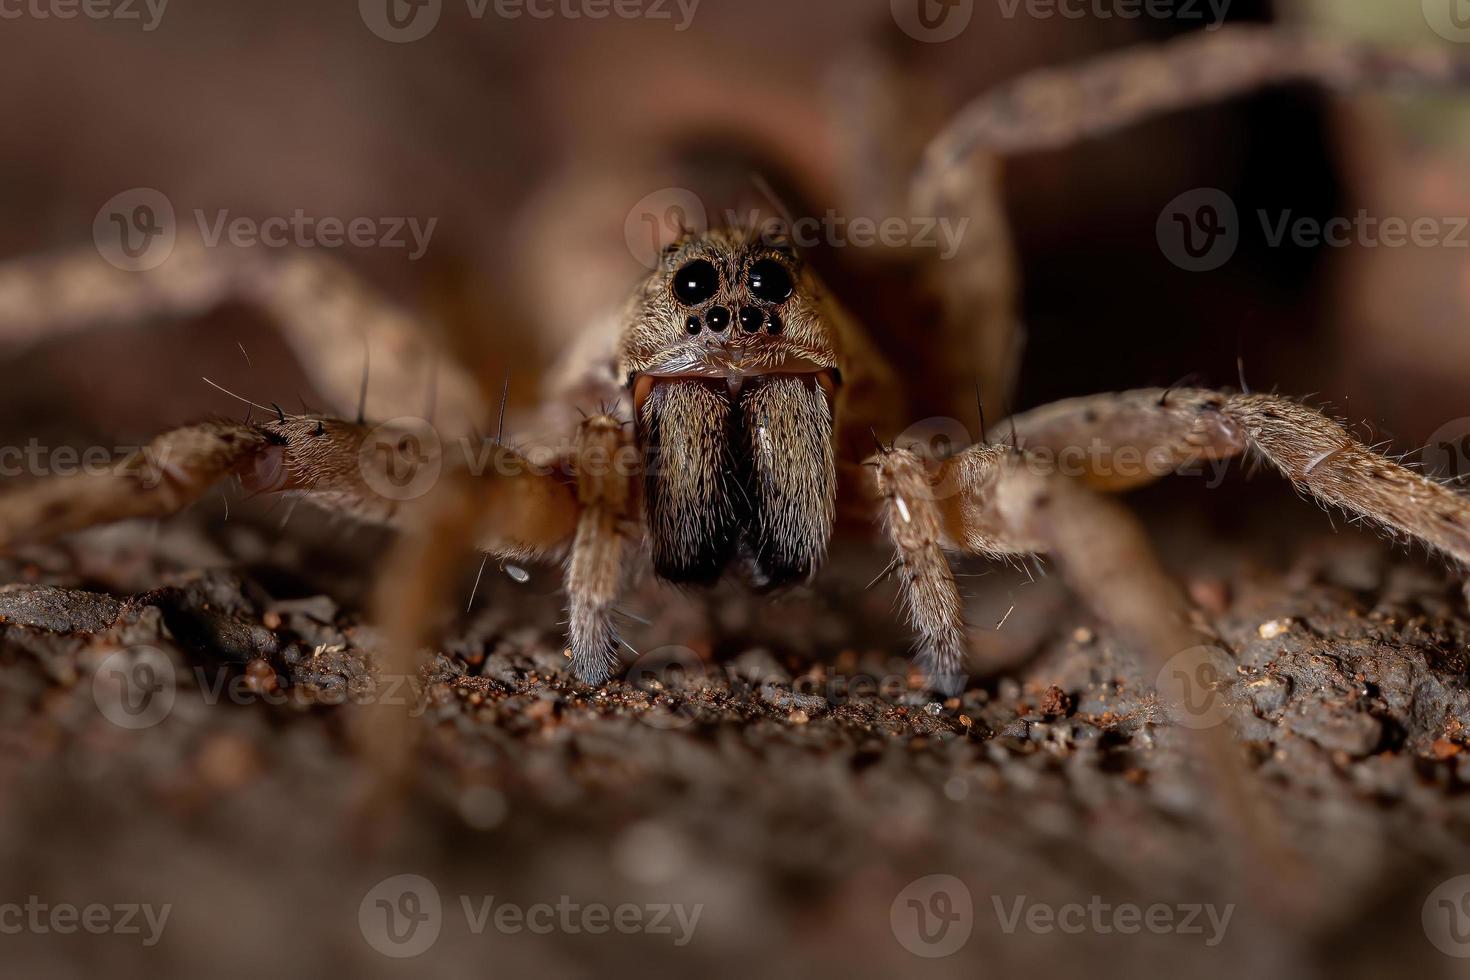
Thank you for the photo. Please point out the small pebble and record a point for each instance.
(1055, 703)
(1273, 629)
(1444, 749)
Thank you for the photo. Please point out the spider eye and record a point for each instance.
(696, 282)
(770, 281)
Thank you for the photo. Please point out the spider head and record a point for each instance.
(728, 305)
(732, 365)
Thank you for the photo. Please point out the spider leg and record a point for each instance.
(993, 501)
(374, 475)
(604, 465)
(960, 175)
(996, 501)
(510, 508)
(914, 524)
(331, 318)
(520, 511)
(1055, 107)
(161, 478)
(1161, 431)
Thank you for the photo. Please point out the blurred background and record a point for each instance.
(528, 141)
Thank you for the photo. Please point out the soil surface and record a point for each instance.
(768, 789)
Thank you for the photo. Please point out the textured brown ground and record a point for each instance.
(782, 792)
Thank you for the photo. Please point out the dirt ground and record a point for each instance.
(175, 734)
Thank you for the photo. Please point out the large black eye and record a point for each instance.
(696, 282)
(770, 281)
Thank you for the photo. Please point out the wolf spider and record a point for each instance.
(738, 401)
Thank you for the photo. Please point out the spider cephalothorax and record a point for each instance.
(734, 370)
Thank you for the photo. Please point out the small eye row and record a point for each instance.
(752, 318)
(698, 281)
